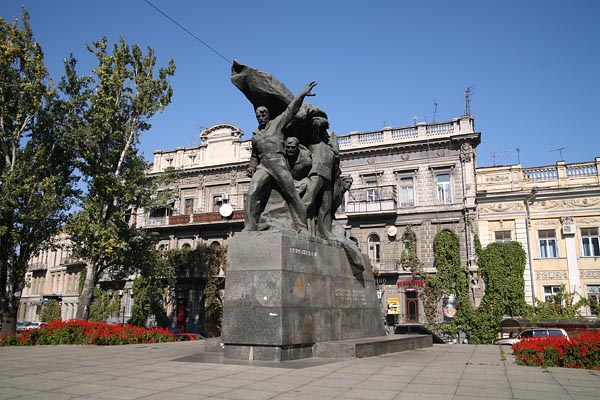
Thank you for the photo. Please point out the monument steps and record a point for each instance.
(353, 348)
(371, 346)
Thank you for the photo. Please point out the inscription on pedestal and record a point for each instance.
(356, 296)
(304, 252)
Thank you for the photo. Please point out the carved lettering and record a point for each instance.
(304, 252)
(356, 296)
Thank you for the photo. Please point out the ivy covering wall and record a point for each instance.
(502, 266)
(453, 279)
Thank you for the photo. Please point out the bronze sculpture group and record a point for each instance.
(296, 182)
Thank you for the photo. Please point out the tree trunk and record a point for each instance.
(85, 298)
(10, 308)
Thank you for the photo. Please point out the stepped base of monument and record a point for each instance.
(371, 347)
(348, 348)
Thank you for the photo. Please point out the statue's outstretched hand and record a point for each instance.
(307, 90)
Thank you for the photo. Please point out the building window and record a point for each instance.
(549, 292)
(407, 192)
(372, 195)
(372, 191)
(188, 207)
(374, 245)
(593, 296)
(547, 238)
(217, 201)
(590, 242)
(444, 192)
(163, 247)
(503, 236)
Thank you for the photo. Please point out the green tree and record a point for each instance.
(561, 305)
(122, 97)
(36, 158)
(151, 289)
(105, 304)
(50, 311)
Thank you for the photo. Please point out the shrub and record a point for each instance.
(86, 333)
(581, 351)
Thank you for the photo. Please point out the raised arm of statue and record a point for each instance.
(294, 106)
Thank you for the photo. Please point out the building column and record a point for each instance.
(522, 236)
(573, 267)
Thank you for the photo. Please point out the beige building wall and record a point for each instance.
(554, 212)
(53, 274)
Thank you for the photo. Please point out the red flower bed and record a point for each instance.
(582, 350)
(86, 332)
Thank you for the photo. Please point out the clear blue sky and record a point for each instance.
(534, 64)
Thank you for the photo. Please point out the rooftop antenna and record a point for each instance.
(468, 93)
(560, 149)
(518, 155)
(434, 109)
(497, 154)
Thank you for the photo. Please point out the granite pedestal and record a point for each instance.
(286, 291)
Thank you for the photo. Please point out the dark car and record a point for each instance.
(185, 337)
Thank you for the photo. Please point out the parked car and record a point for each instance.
(184, 337)
(532, 333)
(23, 325)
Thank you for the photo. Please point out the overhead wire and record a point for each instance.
(188, 32)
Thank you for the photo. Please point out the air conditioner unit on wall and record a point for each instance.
(568, 229)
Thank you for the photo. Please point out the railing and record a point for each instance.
(38, 266)
(370, 199)
(422, 131)
(154, 221)
(588, 169)
(370, 137)
(540, 174)
(405, 133)
(439, 129)
(344, 141)
(69, 260)
(392, 265)
(179, 219)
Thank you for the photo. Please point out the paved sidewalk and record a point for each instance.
(183, 371)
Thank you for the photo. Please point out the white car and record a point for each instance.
(533, 333)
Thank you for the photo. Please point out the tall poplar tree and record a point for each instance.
(127, 92)
(36, 158)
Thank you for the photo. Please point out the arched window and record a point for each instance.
(163, 247)
(374, 248)
(186, 246)
(215, 244)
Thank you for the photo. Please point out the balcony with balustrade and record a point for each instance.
(371, 199)
(37, 266)
(560, 175)
(418, 132)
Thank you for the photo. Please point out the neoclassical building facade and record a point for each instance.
(554, 212)
(421, 175)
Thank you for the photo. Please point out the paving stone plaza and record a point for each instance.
(182, 370)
